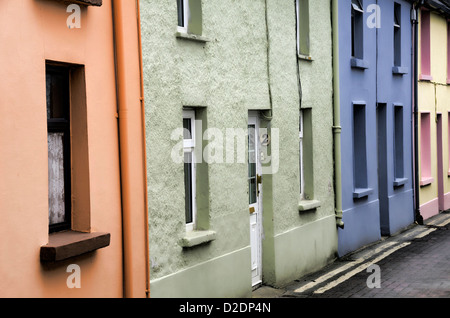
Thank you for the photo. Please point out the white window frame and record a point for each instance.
(184, 28)
(189, 147)
(300, 138)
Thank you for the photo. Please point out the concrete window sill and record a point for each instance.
(68, 244)
(424, 77)
(398, 182)
(305, 57)
(192, 37)
(362, 192)
(308, 205)
(194, 238)
(426, 181)
(359, 63)
(400, 70)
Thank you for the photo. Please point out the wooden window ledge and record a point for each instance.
(97, 3)
(67, 244)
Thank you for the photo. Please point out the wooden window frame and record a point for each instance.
(63, 126)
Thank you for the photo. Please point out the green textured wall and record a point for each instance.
(225, 78)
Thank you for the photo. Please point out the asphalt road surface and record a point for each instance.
(412, 264)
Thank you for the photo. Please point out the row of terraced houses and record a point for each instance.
(164, 148)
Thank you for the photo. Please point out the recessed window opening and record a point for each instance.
(357, 25)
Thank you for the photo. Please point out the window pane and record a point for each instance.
(187, 125)
(252, 190)
(180, 7)
(397, 35)
(188, 187)
(252, 164)
(56, 188)
(303, 27)
(57, 95)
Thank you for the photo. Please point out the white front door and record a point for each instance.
(255, 198)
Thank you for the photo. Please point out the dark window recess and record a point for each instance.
(58, 128)
(187, 128)
(398, 142)
(359, 146)
(397, 35)
(180, 7)
(189, 209)
(357, 29)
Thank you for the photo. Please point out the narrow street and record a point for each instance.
(412, 264)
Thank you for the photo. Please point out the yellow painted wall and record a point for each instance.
(434, 97)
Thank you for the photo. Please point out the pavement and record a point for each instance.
(414, 263)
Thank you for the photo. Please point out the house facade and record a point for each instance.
(433, 108)
(67, 208)
(374, 108)
(239, 144)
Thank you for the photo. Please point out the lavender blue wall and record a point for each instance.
(379, 206)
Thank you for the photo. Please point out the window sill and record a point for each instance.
(307, 205)
(362, 192)
(68, 244)
(194, 238)
(427, 78)
(359, 63)
(192, 37)
(398, 182)
(400, 70)
(426, 181)
(305, 57)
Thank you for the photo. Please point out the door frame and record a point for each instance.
(254, 119)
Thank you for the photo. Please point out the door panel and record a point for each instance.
(255, 195)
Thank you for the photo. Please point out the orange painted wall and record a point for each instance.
(31, 32)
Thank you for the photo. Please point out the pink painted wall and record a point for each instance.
(31, 32)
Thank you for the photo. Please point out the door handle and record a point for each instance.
(252, 210)
(258, 182)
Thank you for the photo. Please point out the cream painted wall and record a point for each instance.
(434, 97)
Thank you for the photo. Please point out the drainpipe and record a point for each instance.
(129, 97)
(415, 21)
(337, 129)
(144, 159)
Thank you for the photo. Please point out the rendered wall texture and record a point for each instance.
(370, 90)
(223, 79)
(433, 99)
(36, 31)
